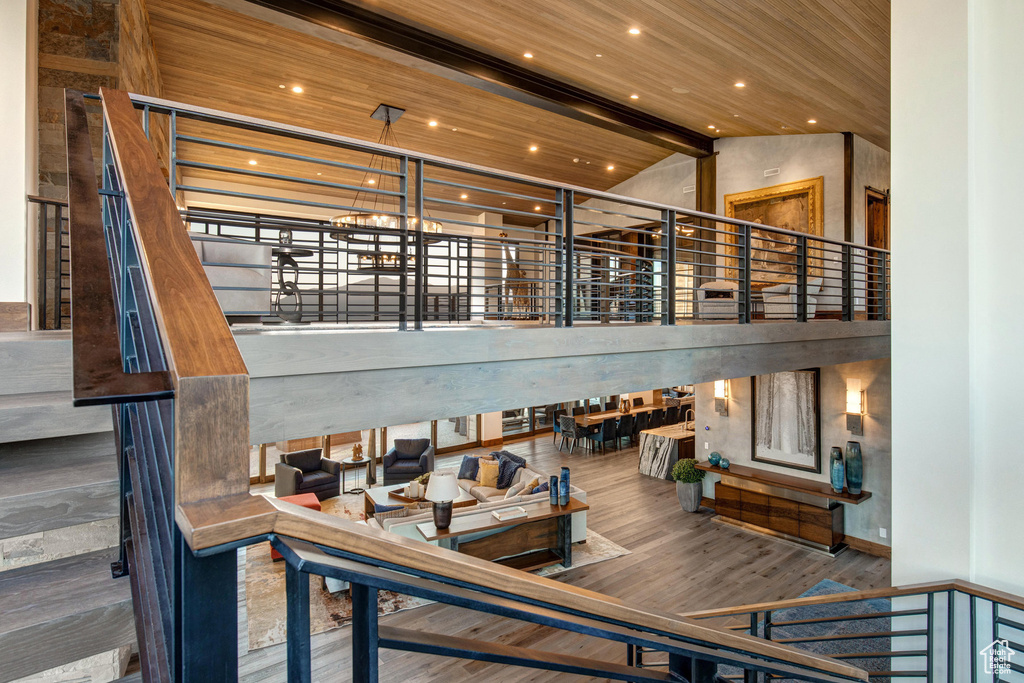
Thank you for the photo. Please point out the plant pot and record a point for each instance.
(689, 495)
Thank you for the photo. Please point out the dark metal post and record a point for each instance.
(974, 639)
(847, 283)
(801, 279)
(745, 283)
(930, 630)
(768, 625)
(120, 568)
(570, 266)
(560, 210)
(691, 669)
(420, 268)
(668, 223)
(207, 623)
(364, 633)
(403, 247)
(300, 659)
(41, 298)
(629, 654)
(950, 611)
(883, 286)
(172, 163)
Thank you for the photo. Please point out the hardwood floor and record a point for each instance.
(679, 561)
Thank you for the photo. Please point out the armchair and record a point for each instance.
(718, 300)
(408, 459)
(780, 301)
(307, 472)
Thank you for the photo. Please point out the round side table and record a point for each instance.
(350, 464)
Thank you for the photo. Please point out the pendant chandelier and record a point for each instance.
(376, 223)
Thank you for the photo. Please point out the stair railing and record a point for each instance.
(150, 338)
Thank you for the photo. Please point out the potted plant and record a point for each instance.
(688, 484)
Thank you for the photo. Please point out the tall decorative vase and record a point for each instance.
(837, 469)
(563, 487)
(854, 467)
(553, 490)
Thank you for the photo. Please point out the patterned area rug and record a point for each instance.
(265, 585)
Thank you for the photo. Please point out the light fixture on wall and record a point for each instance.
(855, 406)
(722, 396)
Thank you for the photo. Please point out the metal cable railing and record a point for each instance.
(53, 271)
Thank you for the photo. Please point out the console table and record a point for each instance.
(806, 511)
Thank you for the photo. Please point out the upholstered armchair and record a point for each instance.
(307, 472)
(408, 459)
(780, 301)
(718, 300)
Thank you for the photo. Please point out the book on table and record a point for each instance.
(509, 513)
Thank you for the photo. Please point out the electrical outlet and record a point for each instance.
(706, 445)
(883, 532)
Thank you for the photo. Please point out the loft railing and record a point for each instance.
(149, 338)
(938, 632)
(512, 247)
(53, 273)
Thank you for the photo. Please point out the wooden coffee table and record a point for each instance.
(378, 495)
(542, 538)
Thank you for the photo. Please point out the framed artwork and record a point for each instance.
(787, 419)
(797, 206)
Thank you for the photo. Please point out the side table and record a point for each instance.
(350, 464)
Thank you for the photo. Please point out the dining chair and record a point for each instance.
(642, 421)
(571, 431)
(606, 433)
(593, 408)
(638, 401)
(578, 410)
(672, 415)
(611, 405)
(657, 418)
(625, 430)
(556, 427)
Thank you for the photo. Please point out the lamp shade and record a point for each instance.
(442, 486)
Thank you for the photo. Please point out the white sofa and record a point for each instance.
(780, 301)
(490, 499)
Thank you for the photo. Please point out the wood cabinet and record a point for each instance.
(821, 526)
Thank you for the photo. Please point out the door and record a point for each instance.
(877, 235)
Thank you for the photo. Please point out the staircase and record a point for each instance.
(58, 520)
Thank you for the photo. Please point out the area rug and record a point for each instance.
(265, 584)
(832, 648)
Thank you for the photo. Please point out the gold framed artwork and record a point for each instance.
(798, 206)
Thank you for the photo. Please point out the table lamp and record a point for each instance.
(442, 489)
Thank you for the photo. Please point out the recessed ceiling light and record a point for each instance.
(784, 128)
(463, 196)
(634, 97)
(454, 129)
(740, 84)
(533, 148)
(576, 160)
(680, 90)
(634, 31)
(371, 181)
(611, 167)
(297, 89)
(599, 55)
(711, 126)
(811, 121)
(735, 115)
(252, 162)
(528, 55)
(281, 86)
(536, 208)
(319, 173)
(432, 124)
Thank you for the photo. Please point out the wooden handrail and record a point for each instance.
(211, 409)
(873, 594)
(232, 519)
(98, 369)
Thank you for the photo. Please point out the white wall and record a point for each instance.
(957, 160)
(15, 164)
(742, 162)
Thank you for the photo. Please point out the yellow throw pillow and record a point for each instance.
(488, 473)
(528, 489)
(483, 458)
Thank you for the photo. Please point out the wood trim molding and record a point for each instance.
(490, 443)
(869, 547)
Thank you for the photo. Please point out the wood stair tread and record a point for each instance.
(48, 414)
(29, 467)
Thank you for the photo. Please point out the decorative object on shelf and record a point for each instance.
(375, 222)
(624, 406)
(442, 490)
(517, 285)
(724, 463)
(837, 469)
(689, 489)
(553, 489)
(855, 407)
(854, 467)
(286, 254)
(563, 487)
(357, 452)
(715, 457)
(787, 419)
(722, 396)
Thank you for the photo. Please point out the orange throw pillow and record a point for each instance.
(489, 473)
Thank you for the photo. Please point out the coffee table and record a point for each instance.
(542, 538)
(378, 495)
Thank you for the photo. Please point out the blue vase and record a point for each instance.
(715, 458)
(724, 463)
(563, 487)
(837, 469)
(854, 467)
(553, 490)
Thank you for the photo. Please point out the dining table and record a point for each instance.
(588, 419)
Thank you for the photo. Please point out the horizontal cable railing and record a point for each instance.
(53, 272)
(371, 233)
(150, 338)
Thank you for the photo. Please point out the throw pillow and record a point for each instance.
(540, 489)
(509, 464)
(483, 458)
(514, 490)
(470, 467)
(489, 473)
(382, 512)
(532, 484)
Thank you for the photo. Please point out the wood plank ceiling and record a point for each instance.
(213, 57)
(826, 60)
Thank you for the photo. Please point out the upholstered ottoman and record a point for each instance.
(306, 500)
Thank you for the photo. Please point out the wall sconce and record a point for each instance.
(722, 396)
(855, 407)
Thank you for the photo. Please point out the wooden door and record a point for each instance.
(876, 235)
